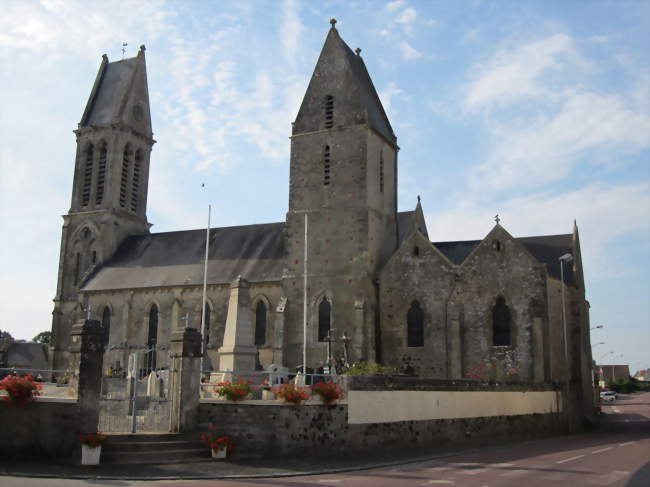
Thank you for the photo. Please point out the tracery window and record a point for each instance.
(101, 174)
(501, 323)
(87, 175)
(329, 111)
(135, 181)
(324, 319)
(260, 323)
(124, 178)
(415, 325)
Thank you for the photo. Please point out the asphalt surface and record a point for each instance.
(618, 454)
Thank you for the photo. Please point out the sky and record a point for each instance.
(538, 111)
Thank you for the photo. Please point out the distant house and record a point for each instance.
(19, 355)
(610, 373)
(642, 375)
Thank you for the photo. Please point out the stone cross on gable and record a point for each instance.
(497, 219)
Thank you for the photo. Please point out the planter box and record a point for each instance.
(90, 455)
(219, 454)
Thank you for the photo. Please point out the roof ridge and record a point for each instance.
(212, 228)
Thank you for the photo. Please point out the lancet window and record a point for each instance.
(260, 323)
(324, 319)
(501, 335)
(135, 182)
(326, 166)
(152, 339)
(101, 174)
(381, 172)
(329, 111)
(415, 325)
(87, 175)
(124, 178)
(206, 328)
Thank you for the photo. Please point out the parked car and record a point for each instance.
(608, 396)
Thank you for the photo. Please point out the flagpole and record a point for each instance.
(304, 304)
(205, 287)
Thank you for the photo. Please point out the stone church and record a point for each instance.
(437, 309)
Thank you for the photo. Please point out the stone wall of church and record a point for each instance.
(457, 304)
(177, 307)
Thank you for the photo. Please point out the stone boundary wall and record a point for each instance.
(280, 430)
(407, 383)
(44, 428)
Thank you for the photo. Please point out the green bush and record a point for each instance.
(369, 368)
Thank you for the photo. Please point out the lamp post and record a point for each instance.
(599, 343)
(595, 327)
(565, 258)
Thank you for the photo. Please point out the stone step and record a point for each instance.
(156, 456)
(153, 448)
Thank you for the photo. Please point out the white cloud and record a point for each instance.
(397, 4)
(387, 94)
(511, 75)
(408, 16)
(291, 29)
(408, 51)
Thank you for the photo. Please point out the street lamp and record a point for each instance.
(565, 258)
(595, 327)
(599, 343)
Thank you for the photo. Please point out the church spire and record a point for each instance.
(120, 95)
(341, 93)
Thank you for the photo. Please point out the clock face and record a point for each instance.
(138, 113)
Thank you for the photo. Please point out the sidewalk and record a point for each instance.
(232, 468)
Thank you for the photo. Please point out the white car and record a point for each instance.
(608, 396)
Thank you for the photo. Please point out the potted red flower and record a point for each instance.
(233, 391)
(292, 394)
(20, 390)
(329, 392)
(91, 447)
(220, 445)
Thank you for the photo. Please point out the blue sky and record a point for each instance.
(538, 111)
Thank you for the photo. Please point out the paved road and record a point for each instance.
(617, 456)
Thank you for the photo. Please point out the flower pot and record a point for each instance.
(221, 453)
(90, 455)
(268, 395)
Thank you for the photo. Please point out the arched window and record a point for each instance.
(135, 182)
(415, 325)
(101, 175)
(260, 323)
(501, 323)
(326, 166)
(106, 321)
(206, 328)
(152, 338)
(329, 111)
(324, 319)
(124, 178)
(381, 172)
(88, 175)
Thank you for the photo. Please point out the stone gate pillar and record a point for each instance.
(87, 343)
(185, 379)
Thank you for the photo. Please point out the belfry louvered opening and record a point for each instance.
(101, 174)
(329, 111)
(326, 166)
(135, 182)
(88, 175)
(124, 178)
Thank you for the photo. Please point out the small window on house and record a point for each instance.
(501, 323)
(88, 175)
(381, 172)
(135, 181)
(496, 245)
(124, 178)
(416, 251)
(415, 325)
(152, 339)
(326, 166)
(94, 256)
(101, 175)
(206, 325)
(324, 319)
(329, 111)
(260, 323)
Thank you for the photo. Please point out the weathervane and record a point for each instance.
(124, 44)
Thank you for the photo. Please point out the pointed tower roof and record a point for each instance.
(120, 95)
(342, 73)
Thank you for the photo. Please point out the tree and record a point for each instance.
(5, 335)
(44, 337)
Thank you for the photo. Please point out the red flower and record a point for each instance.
(291, 394)
(93, 440)
(216, 442)
(20, 390)
(328, 391)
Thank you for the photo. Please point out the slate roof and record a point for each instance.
(376, 114)
(404, 225)
(256, 252)
(113, 85)
(26, 356)
(546, 249)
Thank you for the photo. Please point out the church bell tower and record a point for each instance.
(109, 194)
(343, 177)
